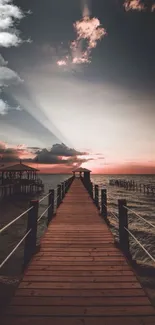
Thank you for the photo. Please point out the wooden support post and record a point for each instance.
(66, 186)
(86, 185)
(62, 190)
(96, 195)
(91, 189)
(104, 204)
(123, 223)
(51, 206)
(31, 239)
(58, 195)
(71, 180)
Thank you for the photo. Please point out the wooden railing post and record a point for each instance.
(104, 204)
(31, 239)
(86, 185)
(96, 195)
(64, 188)
(91, 189)
(62, 191)
(58, 195)
(70, 181)
(123, 223)
(51, 206)
(67, 186)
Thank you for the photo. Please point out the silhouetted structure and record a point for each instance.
(19, 178)
(18, 173)
(133, 186)
(83, 172)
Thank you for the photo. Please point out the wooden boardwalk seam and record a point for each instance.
(79, 276)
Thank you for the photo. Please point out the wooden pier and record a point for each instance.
(79, 276)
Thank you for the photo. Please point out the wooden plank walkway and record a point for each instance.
(79, 277)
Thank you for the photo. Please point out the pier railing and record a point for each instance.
(122, 218)
(55, 198)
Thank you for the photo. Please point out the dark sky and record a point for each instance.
(114, 95)
(126, 55)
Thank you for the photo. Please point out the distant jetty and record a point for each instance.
(19, 179)
(133, 186)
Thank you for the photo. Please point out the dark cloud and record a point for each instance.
(63, 150)
(57, 153)
(8, 154)
(46, 157)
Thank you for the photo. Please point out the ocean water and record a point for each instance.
(141, 203)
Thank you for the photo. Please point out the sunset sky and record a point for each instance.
(99, 115)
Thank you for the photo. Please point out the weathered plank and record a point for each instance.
(83, 262)
(80, 273)
(79, 285)
(79, 301)
(81, 292)
(78, 258)
(82, 310)
(94, 279)
(80, 263)
(84, 267)
(97, 320)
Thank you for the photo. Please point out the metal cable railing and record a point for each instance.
(138, 215)
(56, 199)
(43, 213)
(15, 248)
(123, 221)
(138, 242)
(46, 195)
(116, 217)
(13, 221)
(33, 221)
